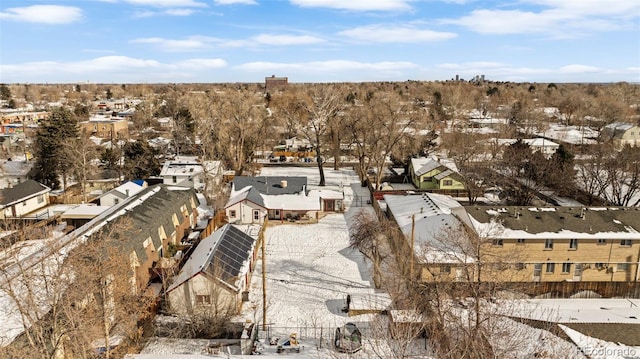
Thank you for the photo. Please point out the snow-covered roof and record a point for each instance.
(84, 211)
(228, 249)
(577, 310)
(15, 168)
(292, 202)
(423, 165)
(180, 168)
(433, 219)
(556, 222)
(532, 142)
(247, 193)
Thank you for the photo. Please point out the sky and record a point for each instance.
(185, 41)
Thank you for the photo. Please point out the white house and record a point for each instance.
(120, 193)
(13, 172)
(187, 172)
(23, 199)
(255, 198)
(216, 274)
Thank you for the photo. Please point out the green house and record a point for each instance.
(430, 173)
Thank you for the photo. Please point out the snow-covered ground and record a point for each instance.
(310, 268)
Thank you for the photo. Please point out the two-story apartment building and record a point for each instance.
(554, 244)
(518, 244)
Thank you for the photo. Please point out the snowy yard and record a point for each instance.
(310, 268)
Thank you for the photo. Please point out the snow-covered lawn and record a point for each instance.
(310, 268)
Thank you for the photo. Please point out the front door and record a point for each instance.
(329, 205)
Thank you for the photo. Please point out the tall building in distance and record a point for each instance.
(275, 83)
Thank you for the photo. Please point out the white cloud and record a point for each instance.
(559, 18)
(110, 68)
(356, 5)
(395, 34)
(45, 14)
(203, 63)
(286, 40)
(579, 69)
(192, 43)
(231, 2)
(179, 12)
(167, 3)
(326, 66)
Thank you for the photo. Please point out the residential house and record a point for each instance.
(188, 172)
(110, 128)
(217, 274)
(23, 198)
(621, 134)
(120, 193)
(13, 172)
(278, 197)
(435, 174)
(542, 145)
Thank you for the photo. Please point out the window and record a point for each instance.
(174, 178)
(232, 213)
(573, 243)
(602, 241)
(40, 198)
(548, 243)
(445, 269)
(497, 242)
(551, 267)
(519, 266)
(622, 266)
(520, 241)
(256, 215)
(203, 299)
(625, 243)
(566, 267)
(447, 183)
(427, 179)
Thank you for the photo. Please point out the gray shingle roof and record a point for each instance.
(149, 214)
(251, 195)
(271, 184)
(21, 191)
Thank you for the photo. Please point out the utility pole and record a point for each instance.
(413, 241)
(264, 275)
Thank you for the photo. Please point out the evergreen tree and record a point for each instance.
(5, 92)
(140, 160)
(51, 161)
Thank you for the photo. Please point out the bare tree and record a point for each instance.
(82, 153)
